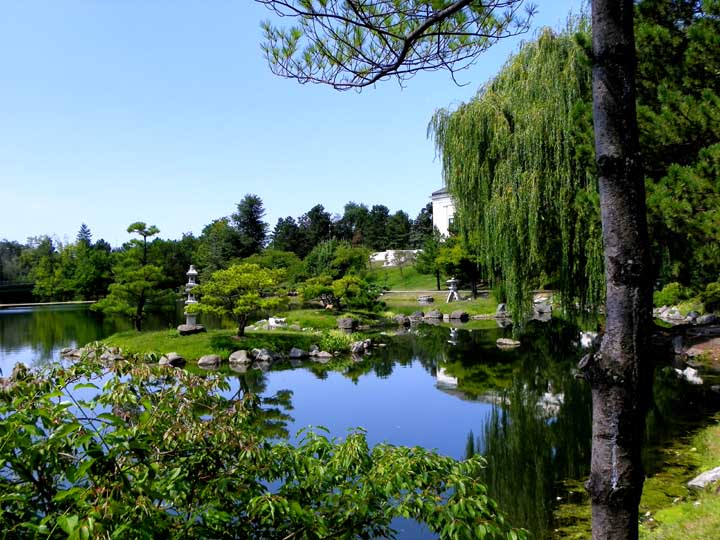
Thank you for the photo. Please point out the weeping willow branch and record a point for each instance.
(518, 161)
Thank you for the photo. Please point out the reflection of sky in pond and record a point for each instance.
(403, 409)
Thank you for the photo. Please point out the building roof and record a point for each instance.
(442, 192)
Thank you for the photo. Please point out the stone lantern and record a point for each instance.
(453, 287)
(191, 326)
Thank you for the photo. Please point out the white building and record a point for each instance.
(443, 210)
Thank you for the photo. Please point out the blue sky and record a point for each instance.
(166, 112)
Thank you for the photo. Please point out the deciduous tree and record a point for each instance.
(239, 291)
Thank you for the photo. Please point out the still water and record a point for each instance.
(456, 392)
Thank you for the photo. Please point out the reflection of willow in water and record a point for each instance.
(530, 448)
(538, 432)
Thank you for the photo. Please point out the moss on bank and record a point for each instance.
(668, 509)
(689, 515)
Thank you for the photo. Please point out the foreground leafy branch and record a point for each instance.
(139, 451)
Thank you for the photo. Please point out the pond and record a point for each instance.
(450, 390)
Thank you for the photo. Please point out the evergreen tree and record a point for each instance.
(422, 227)
(353, 224)
(216, 247)
(137, 283)
(248, 222)
(398, 230)
(376, 232)
(286, 236)
(315, 226)
(84, 235)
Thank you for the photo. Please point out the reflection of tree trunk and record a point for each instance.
(620, 374)
(139, 311)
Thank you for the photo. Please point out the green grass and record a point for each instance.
(319, 319)
(322, 319)
(407, 303)
(221, 342)
(402, 279)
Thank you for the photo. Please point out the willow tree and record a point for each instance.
(356, 43)
(523, 191)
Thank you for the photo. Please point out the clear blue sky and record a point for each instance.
(166, 112)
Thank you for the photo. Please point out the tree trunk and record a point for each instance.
(620, 373)
(437, 279)
(241, 322)
(139, 312)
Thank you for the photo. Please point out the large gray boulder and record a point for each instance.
(459, 315)
(263, 355)
(705, 479)
(402, 320)
(417, 316)
(189, 329)
(434, 314)
(296, 353)
(322, 356)
(172, 359)
(358, 347)
(239, 358)
(209, 361)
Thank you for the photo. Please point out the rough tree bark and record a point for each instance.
(620, 373)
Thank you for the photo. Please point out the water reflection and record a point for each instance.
(449, 389)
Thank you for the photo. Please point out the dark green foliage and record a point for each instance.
(286, 236)
(137, 282)
(336, 259)
(12, 267)
(217, 247)
(165, 454)
(422, 227)
(398, 230)
(249, 224)
(175, 258)
(275, 259)
(84, 235)
(315, 225)
(710, 297)
(353, 225)
(377, 236)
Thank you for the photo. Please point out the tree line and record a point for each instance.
(88, 270)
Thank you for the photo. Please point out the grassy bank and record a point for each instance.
(688, 515)
(403, 279)
(221, 342)
(407, 303)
